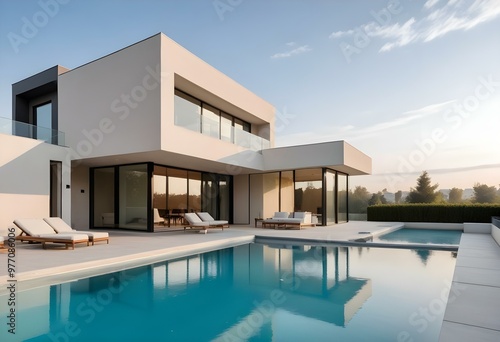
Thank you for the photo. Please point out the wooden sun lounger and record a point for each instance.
(61, 227)
(195, 223)
(37, 230)
(66, 240)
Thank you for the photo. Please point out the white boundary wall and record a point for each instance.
(25, 179)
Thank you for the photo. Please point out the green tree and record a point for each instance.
(424, 191)
(455, 195)
(358, 200)
(397, 196)
(377, 198)
(484, 193)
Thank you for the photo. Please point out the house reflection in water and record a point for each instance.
(219, 290)
(315, 280)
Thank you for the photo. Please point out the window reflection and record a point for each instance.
(177, 190)
(187, 111)
(43, 120)
(226, 129)
(211, 121)
(342, 183)
(133, 198)
(330, 197)
(194, 191)
(308, 191)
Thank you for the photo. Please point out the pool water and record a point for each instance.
(422, 236)
(251, 292)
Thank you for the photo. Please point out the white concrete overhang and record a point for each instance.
(242, 163)
(337, 155)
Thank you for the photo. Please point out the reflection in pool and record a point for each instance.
(422, 236)
(251, 292)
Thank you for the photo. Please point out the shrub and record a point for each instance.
(441, 213)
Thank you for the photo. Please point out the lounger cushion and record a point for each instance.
(218, 223)
(69, 237)
(194, 220)
(280, 214)
(34, 227)
(204, 216)
(58, 225)
(62, 227)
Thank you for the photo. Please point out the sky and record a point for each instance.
(415, 85)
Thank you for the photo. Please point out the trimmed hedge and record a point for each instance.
(441, 213)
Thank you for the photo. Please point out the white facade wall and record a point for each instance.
(25, 179)
(111, 106)
(241, 199)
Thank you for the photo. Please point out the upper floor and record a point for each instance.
(153, 96)
(155, 101)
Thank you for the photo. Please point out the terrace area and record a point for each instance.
(22, 129)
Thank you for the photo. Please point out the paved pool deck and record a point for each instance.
(471, 314)
(473, 308)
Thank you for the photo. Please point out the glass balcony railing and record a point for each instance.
(22, 129)
(222, 131)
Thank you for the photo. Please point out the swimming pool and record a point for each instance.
(421, 236)
(252, 292)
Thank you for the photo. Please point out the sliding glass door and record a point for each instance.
(216, 196)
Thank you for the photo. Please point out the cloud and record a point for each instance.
(430, 3)
(340, 34)
(439, 18)
(353, 133)
(290, 53)
(445, 170)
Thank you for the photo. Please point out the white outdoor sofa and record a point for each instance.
(283, 219)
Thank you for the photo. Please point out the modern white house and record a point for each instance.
(153, 130)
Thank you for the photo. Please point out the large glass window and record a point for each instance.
(199, 116)
(177, 190)
(211, 121)
(330, 204)
(209, 200)
(308, 192)
(187, 111)
(133, 197)
(226, 127)
(342, 184)
(43, 121)
(242, 125)
(224, 197)
(194, 191)
(121, 195)
(216, 196)
(104, 197)
(160, 190)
